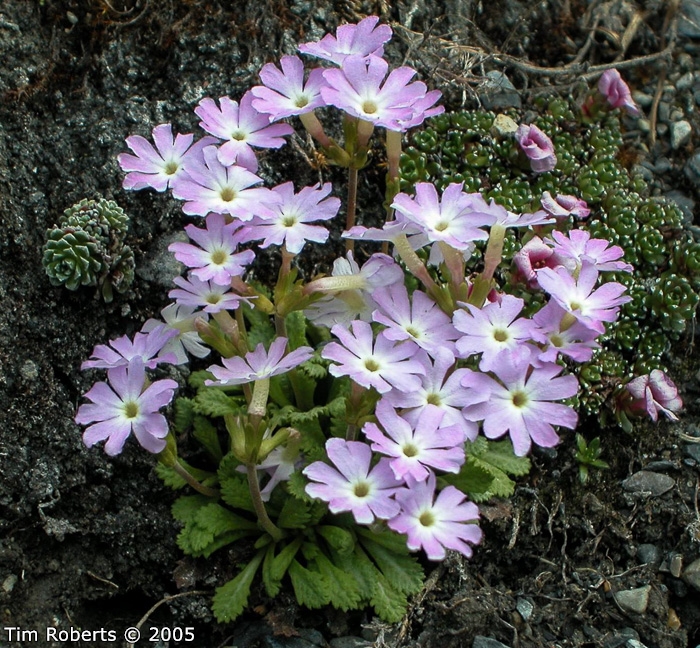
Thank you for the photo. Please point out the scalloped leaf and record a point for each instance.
(473, 480)
(392, 559)
(205, 432)
(339, 539)
(388, 602)
(231, 599)
(343, 589)
(310, 587)
(197, 378)
(501, 455)
(294, 514)
(183, 414)
(212, 401)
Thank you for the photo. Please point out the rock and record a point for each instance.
(647, 554)
(160, 266)
(692, 170)
(498, 92)
(525, 608)
(647, 482)
(642, 99)
(693, 451)
(680, 133)
(634, 643)
(635, 600)
(691, 575)
(686, 81)
(689, 19)
(486, 642)
(503, 126)
(349, 642)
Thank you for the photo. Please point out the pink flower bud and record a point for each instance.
(616, 91)
(655, 393)
(563, 206)
(537, 147)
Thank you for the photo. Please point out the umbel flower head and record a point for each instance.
(87, 248)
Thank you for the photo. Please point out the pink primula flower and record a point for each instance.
(259, 364)
(578, 247)
(538, 148)
(146, 346)
(157, 167)
(289, 224)
(363, 89)
(284, 92)
(520, 401)
(352, 486)
(363, 39)
(209, 186)
(379, 363)
(214, 257)
(242, 127)
(416, 449)
(435, 524)
(616, 91)
(124, 405)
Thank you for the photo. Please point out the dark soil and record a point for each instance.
(87, 542)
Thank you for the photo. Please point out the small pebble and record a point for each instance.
(525, 608)
(691, 575)
(661, 129)
(634, 600)
(642, 99)
(680, 134)
(643, 125)
(645, 481)
(675, 565)
(686, 81)
(647, 554)
(486, 642)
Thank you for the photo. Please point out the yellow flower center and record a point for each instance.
(227, 194)
(131, 409)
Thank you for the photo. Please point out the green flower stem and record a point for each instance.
(258, 504)
(257, 408)
(393, 154)
(314, 127)
(199, 487)
(352, 206)
(492, 259)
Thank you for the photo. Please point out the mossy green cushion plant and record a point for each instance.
(87, 248)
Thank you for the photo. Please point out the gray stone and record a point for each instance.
(689, 19)
(160, 266)
(644, 125)
(647, 554)
(642, 99)
(634, 643)
(692, 169)
(691, 575)
(686, 81)
(692, 450)
(498, 92)
(525, 608)
(645, 481)
(634, 600)
(680, 133)
(349, 642)
(486, 642)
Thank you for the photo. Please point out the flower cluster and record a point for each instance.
(426, 349)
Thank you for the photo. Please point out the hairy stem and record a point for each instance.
(200, 488)
(258, 504)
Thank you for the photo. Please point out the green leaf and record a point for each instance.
(205, 432)
(230, 599)
(473, 480)
(197, 378)
(235, 492)
(212, 401)
(388, 602)
(260, 328)
(501, 455)
(218, 519)
(176, 482)
(184, 414)
(310, 588)
(186, 507)
(315, 368)
(295, 324)
(296, 485)
(343, 590)
(211, 527)
(275, 567)
(294, 514)
(341, 540)
(401, 570)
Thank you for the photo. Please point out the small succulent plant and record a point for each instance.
(87, 248)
